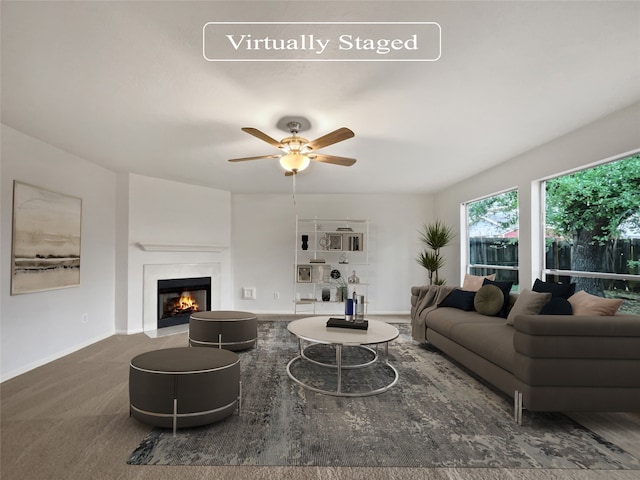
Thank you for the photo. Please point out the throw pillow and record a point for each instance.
(564, 290)
(459, 299)
(557, 306)
(584, 303)
(506, 290)
(528, 303)
(472, 283)
(489, 300)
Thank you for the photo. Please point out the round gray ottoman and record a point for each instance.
(184, 387)
(228, 329)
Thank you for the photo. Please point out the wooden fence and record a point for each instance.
(618, 256)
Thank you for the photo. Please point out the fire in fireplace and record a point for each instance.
(178, 298)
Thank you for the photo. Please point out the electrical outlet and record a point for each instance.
(249, 293)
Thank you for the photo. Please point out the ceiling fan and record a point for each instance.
(298, 151)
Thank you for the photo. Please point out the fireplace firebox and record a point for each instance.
(178, 298)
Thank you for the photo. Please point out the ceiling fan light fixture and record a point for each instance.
(294, 162)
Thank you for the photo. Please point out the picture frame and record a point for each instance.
(334, 241)
(304, 274)
(354, 242)
(45, 242)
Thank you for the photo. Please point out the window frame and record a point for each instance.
(544, 271)
(464, 227)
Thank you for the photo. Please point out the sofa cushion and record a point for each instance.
(584, 303)
(506, 289)
(564, 290)
(557, 306)
(491, 341)
(528, 303)
(443, 319)
(489, 300)
(461, 299)
(473, 283)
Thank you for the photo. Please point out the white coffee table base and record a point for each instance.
(351, 340)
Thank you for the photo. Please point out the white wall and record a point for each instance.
(120, 210)
(264, 242)
(609, 137)
(166, 212)
(39, 327)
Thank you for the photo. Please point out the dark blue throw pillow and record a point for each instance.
(563, 290)
(506, 290)
(557, 306)
(461, 299)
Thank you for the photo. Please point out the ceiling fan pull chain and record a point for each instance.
(294, 188)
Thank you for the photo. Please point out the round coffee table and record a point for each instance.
(314, 330)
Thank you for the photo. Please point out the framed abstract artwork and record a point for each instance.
(304, 274)
(45, 249)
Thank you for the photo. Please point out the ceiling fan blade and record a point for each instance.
(253, 158)
(330, 138)
(262, 136)
(344, 161)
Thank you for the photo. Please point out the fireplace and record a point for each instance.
(178, 298)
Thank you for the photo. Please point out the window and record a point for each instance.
(592, 230)
(492, 236)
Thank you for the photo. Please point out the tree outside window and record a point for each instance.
(593, 226)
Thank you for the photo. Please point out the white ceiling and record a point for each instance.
(125, 85)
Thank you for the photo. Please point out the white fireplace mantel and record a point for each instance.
(181, 247)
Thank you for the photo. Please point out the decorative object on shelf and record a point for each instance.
(305, 242)
(326, 294)
(353, 242)
(344, 229)
(304, 274)
(342, 290)
(354, 278)
(323, 241)
(331, 241)
(320, 273)
(435, 236)
(344, 258)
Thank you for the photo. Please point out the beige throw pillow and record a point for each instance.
(528, 303)
(584, 303)
(472, 283)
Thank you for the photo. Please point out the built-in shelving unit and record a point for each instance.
(331, 262)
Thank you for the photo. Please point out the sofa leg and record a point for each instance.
(517, 407)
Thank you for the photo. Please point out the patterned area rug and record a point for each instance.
(437, 415)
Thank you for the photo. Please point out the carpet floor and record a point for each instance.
(437, 415)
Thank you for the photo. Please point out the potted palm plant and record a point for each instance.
(434, 236)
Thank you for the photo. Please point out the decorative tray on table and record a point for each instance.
(342, 323)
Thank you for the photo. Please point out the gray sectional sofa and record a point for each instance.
(545, 362)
